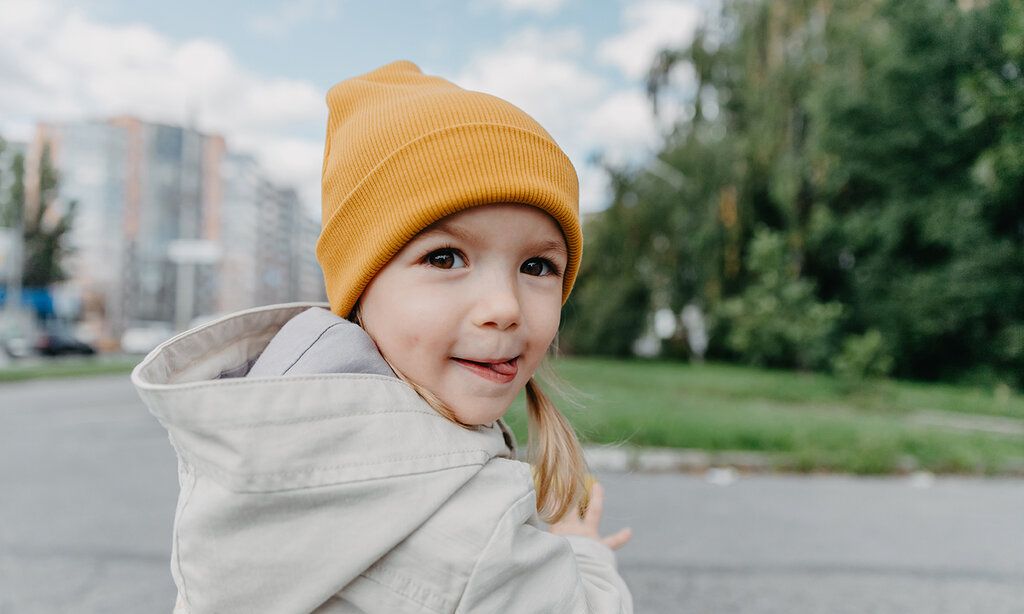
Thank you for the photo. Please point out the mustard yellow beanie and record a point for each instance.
(406, 149)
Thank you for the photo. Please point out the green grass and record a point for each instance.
(804, 421)
(68, 367)
(807, 422)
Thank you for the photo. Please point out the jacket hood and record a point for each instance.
(300, 419)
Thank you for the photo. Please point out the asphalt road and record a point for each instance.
(88, 488)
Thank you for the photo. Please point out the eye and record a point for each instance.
(535, 266)
(444, 258)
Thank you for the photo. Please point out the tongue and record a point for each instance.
(505, 368)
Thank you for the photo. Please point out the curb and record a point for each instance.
(724, 467)
(673, 460)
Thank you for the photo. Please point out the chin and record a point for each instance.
(481, 415)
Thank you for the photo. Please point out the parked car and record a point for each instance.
(56, 339)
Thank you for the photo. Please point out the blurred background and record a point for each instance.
(829, 188)
(804, 226)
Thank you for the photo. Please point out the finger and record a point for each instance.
(593, 516)
(619, 539)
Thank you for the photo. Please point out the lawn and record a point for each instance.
(805, 422)
(68, 367)
(802, 421)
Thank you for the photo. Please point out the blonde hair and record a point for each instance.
(560, 473)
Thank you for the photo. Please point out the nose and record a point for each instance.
(498, 303)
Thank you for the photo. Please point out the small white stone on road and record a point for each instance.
(922, 479)
(659, 460)
(721, 476)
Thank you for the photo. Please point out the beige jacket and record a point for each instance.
(346, 492)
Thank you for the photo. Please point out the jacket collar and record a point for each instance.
(295, 431)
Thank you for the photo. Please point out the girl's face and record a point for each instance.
(478, 287)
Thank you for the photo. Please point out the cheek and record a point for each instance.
(552, 311)
(406, 338)
(398, 340)
(412, 343)
(544, 324)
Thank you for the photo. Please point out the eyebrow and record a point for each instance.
(448, 228)
(460, 233)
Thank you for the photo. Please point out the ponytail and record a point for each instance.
(559, 469)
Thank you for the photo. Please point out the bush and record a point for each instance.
(601, 319)
(777, 320)
(862, 356)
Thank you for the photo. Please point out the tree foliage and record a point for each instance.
(44, 226)
(777, 320)
(878, 146)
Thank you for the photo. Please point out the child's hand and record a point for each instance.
(572, 524)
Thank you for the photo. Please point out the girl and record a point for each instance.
(354, 459)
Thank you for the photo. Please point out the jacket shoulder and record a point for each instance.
(430, 569)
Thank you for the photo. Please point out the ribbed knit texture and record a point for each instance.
(405, 149)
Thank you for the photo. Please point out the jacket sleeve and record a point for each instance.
(524, 569)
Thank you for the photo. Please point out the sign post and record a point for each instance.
(187, 254)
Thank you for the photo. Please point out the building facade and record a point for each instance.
(142, 190)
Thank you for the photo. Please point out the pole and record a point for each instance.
(184, 294)
(15, 270)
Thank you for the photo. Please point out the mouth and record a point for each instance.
(501, 371)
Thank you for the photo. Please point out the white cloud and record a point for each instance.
(540, 7)
(60, 65)
(623, 119)
(594, 187)
(63, 65)
(650, 26)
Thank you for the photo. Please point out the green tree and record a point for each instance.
(733, 163)
(599, 317)
(777, 320)
(45, 228)
(881, 141)
(922, 237)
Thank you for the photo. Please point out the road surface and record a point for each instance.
(88, 488)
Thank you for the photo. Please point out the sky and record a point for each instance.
(257, 72)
